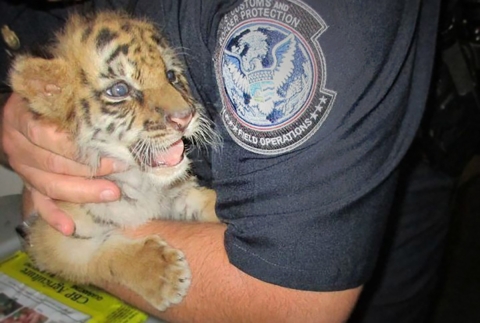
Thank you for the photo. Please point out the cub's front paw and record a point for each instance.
(166, 275)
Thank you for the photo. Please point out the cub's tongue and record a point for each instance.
(171, 157)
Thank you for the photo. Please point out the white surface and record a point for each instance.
(9, 219)
(10, 183)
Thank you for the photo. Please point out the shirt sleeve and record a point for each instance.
(312, 217)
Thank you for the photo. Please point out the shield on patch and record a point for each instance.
(262, 86)
(262, 91)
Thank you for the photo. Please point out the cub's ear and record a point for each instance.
(45, 84)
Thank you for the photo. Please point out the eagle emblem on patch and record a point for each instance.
(271, 74)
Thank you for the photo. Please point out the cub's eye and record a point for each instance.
(171, 76)
(118, 90)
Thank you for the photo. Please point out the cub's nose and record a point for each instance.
(180, 120)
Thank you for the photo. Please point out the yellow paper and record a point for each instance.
(43, 293)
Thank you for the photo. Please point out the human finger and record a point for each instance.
(20, 151)
(69, 188)
(18, 118)
(52, 214)
(52, 149)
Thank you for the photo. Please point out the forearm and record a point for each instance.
(221, 293)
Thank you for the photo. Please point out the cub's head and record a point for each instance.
(116, 85)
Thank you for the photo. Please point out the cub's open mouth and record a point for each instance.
(147, 155)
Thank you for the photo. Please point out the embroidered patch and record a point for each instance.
(271, 74)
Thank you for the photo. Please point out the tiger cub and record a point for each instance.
(114, 83)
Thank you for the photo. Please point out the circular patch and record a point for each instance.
(271, 74)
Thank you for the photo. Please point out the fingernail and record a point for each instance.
(119, 166)
(61, 228)
(65, 229)
(108, 195)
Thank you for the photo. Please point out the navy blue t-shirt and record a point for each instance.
(317, 102)
(320, 101)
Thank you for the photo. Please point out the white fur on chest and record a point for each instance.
(144, 198)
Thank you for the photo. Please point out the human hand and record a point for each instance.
(43, 156)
